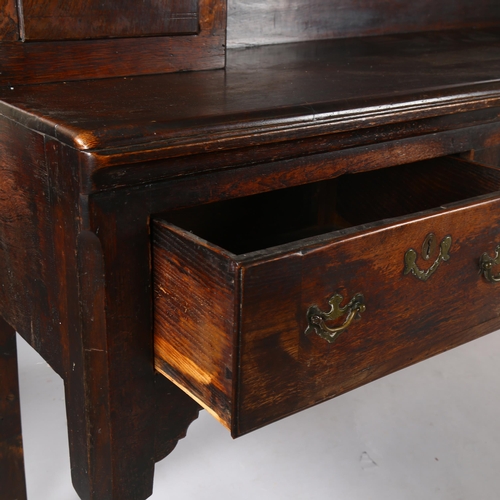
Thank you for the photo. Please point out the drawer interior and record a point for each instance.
(265, 220)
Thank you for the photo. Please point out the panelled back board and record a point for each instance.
(9, 29)
(260, 22)
(77, 19)
(81, 39)
(51, 40)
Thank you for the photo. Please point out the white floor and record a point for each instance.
(430, 432)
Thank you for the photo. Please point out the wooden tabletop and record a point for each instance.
(270, 94)
(268, 89)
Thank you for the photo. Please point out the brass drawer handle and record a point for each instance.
(429, 244)
(486, 264)
(317, 319)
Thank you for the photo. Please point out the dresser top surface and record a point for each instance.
(317, 87)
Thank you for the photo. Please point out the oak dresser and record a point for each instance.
(249, 208)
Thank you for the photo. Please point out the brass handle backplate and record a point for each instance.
(429, 244)
(486, 264)
(316, 319)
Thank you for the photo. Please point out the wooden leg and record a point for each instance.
(12, 479)
(121, 416)
(111, 431)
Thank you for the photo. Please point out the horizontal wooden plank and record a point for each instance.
(260, 22)
(310, 158)
(84, 19)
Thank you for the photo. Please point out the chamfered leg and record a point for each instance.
(121, 416)
(111, 435)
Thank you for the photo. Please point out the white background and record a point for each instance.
(429, 432)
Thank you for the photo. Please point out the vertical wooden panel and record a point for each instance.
(87, 388)
(8, 20)
(27, 257)
(120, 217)
(194, 288)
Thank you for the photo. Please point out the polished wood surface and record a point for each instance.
(260, 22)
(31, 220)
(83, 19)
(46, 61)
(406, 320)
(85, 166)
(9, 22)
(326, 92)
(233, 284)
(271, 93)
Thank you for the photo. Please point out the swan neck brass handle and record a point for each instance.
(429, 243)
(317, 319)
(486, 264)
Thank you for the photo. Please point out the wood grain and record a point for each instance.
(12, 480)
(84, 166)
(194, 292)
(301, 91)
(9, 27)
(280, 370)
(148, 416)
(405, 320)
(41, 212)
(35, 62)
(78, 19)
(88, 388)
(306, 160)
(487, 156)
(262, 22)
(174, 414)
(29, 214)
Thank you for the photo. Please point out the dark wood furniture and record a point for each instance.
(268, 235)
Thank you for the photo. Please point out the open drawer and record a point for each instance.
(268, 304)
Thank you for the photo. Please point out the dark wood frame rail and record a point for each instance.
(94, 147)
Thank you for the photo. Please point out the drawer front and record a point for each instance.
(285, 365)
(270, 304)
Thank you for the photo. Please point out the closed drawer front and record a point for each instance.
(269, 304)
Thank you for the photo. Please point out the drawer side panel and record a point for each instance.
(194, 311)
